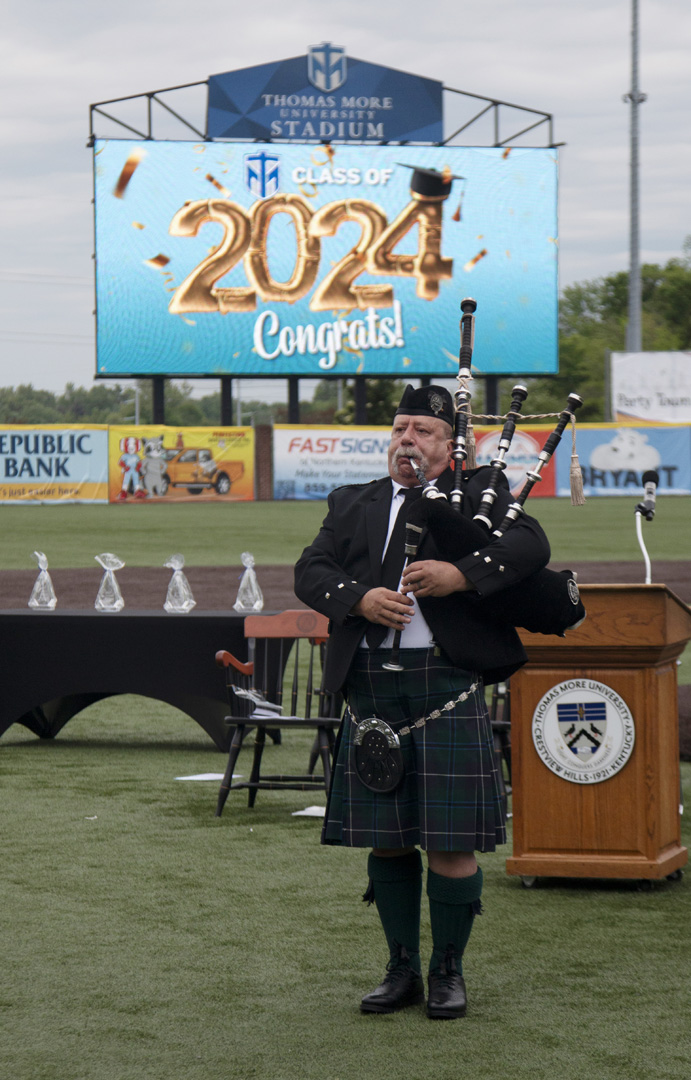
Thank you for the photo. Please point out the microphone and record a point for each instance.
(650, 481)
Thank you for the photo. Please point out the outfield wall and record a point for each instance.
(59, 464)
(310, 460)
(55, 464)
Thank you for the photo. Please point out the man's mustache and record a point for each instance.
(412, 454)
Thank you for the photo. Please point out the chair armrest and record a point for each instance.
(226, 659)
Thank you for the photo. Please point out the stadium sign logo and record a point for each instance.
(583, 731)
(262, 174)
(326, 66)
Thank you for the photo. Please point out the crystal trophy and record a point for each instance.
(109, 596)
(179, 596)
(43, 594)
(249, 594)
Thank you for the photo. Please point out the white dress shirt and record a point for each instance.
(416, 634)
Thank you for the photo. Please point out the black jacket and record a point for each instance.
(344, 562)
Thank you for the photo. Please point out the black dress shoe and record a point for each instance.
(447, 997)
(402, 986)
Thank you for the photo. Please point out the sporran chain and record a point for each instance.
(434, 715)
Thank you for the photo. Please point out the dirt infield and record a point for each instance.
(215, 589)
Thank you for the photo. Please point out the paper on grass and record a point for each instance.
(209, 776)
(310, 811)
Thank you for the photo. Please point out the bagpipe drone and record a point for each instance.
(546, 602)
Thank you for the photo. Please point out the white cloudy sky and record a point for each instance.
(567, 57)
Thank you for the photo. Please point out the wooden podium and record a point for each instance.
(626, 826)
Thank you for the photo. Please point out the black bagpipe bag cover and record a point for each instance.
(546, 602)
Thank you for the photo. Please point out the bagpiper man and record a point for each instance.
(414, 764)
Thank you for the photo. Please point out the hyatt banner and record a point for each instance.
(276, 259)
(613, 459)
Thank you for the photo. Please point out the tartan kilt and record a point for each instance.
(449, 798)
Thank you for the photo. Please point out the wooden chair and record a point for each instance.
(266, 688)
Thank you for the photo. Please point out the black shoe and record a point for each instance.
(447, 997)
(402, 986)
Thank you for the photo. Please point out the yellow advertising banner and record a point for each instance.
(166, 464)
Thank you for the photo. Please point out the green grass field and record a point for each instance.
(144, 939)
(207, 535)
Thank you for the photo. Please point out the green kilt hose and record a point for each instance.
(449, 799)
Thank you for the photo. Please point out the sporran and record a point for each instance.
(377, 755)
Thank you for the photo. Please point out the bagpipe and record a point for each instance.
(546, 602)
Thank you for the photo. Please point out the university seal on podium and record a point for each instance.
(583, 731)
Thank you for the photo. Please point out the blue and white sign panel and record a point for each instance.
(325, 95)
(274, 260)
(310, 461)
(614, 459)
(52, 464)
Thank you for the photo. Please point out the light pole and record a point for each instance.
(136, 391)
(633, 327)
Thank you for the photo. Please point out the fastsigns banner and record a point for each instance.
(53, 464)
(310, 461)
(277, 259)
(166, 464)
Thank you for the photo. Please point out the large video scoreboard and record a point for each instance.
(265, 259)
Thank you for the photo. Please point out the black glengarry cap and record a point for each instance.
(427, 401)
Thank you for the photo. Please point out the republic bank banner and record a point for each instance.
(53, 464)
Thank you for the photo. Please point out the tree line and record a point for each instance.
(592, 323)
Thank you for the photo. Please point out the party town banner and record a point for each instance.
(53, 464)
(654, 387)
(166, 464)
(280, 259)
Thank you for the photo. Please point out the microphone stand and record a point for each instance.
(646, 509)
(639, 534)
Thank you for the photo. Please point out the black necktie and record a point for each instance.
(392, 565)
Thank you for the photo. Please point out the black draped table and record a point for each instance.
(56, 663)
